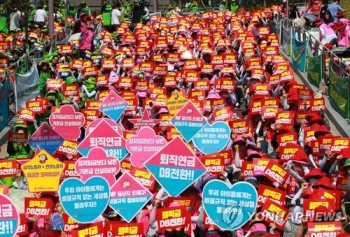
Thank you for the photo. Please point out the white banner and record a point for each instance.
(26, 87)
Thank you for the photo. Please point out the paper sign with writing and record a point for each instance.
(184, 201)
(38, 207)
(176, 102)
(9, 217)
(90, 198)
(124, 230)
(324, 229)
(276, 173)
(215, 165)
(229, 206)
(18, 137)
(69, 169)
(128, 196)
(188, 121)
(247, 169)
(57, 222)
(69, 149)
(46, 138)
(67, 122)
(342, 183)
(104, 136)
(269, 193)
(95, 123)
(145, 121)
(26, 115)
(113, 106)
(260, 165)
(239, 126)
(287, 138)
(144, 145)
(125, 166)
(212, 137)
(8, 168)
(54, 84)
(143, 176)
(171, 218)
(92, 230)
(43, 167)
(23, 225)
(69, 223)
(175, 167)
(97, 163)
(36, 106)
(310, 204)
(275, 213)
(286, 152)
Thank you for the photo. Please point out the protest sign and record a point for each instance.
(43, 167)
(38, 207)
(215, 165)
(124, 230)
(93, 230)
(97, 163)
(9, 217)
(276, 173)
(145, 121)
(275, 213)
(171, 218)
(8, 168)
(68, 148)
(324, 229)
(176, 102)
(188, 121)
(46, 138)
(96, 122)
(69, 169)
(67, 122)
(27, 115)
(128, 196)
(144, 177)
(113, 106)
(144, 145)
(104, 136)
(77, 197)
(175, 167)
(23, 225)
(310, 205)
(239, 126)
(222, 202)
(57, 222)
(212, 137)
(69, 223)
(247, 169)
(269, 193)
(16, 137)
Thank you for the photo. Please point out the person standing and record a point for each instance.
(137, 13)
(40, 16)
(116, 14)
(15, 18)
(334, 8)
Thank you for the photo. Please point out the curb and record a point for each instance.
(6, 130)
(339, 122)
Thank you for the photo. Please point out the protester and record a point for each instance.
(278, 145)
(334, 8)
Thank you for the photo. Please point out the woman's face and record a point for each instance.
(55, 60)
(327, 16)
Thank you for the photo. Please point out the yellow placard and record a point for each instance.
(43, 173)
(176, 102)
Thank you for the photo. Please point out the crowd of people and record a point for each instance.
(195, 55)
(329, 18)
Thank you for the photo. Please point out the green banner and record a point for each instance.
(315, 70)
(339, 93)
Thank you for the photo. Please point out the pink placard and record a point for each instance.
(96, 122)
(97, 163)
(67, 122)
(9, 216)
(144, 145)
(145, 121)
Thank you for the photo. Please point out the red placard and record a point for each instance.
(269, 112)
(8, 168)
(184, 201)
(268, 193)
(338, 144)
(71, 91)
(342, 183)
(202, 85)
(208, 223)
(90, 115)
(69, 169)
(38, 207)
(324, 229)
(90, 71)
(276, 173)
(130, 229)
(26, 115)
(325, 143)
(69, 223)
(225, 84)
(239, 126)
(317, 104)
(141, 85)
(171, 218)
(275, 213)
(68, 148)
(247, 169)
(23, 225)
(285, 118)
(54, 84)
(125, 82)
(309, 206)
(92, 230)
(260, 164)
(286, 152)
(223, 114)
(332, 195)
(18, 137)
(215, 165)
(287, 138)
(143, 176)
